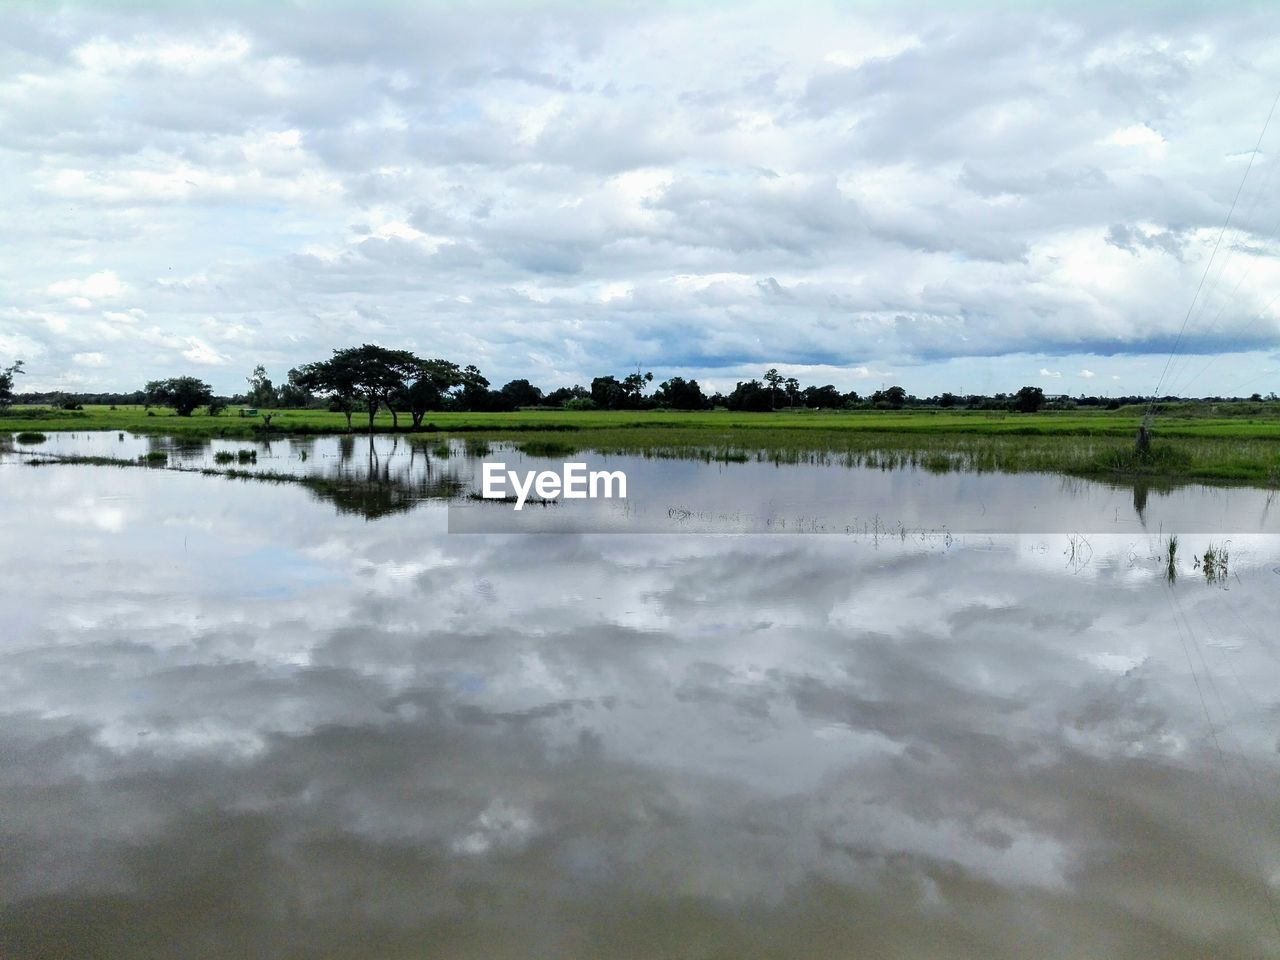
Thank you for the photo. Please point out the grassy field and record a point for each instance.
(1228, 443)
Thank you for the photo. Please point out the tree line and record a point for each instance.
(367, 378)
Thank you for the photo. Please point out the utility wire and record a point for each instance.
(1217, 243)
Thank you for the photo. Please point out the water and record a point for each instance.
(243, 719)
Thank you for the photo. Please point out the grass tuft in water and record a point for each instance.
(31, 436)
(1215, 563)
(547, 448)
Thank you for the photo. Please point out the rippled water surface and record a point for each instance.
(248, 719)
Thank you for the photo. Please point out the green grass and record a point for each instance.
(1214, 443)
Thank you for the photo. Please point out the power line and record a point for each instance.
(1217, 243)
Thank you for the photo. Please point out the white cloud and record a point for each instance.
(853, 195)
(1052, 374)
(1086, 374)
(197, 351)
(90, 359)
(103, 285)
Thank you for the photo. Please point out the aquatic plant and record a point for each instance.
(154, 458)
(1215, 563)
(31, 437)
(1171, 559)
(547, 448)
(224, 456)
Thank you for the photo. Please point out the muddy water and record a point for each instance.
(237, 721)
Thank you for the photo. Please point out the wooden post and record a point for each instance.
(1142, 442)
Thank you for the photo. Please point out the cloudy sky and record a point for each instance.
(946, 198)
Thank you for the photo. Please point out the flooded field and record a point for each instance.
(991, 716)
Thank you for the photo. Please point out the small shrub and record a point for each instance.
(441, 450)
(224, 456)
(154, 458)
(580, 403)
(31, 436)
(247, 456)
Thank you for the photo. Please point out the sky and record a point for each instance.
(950, 197)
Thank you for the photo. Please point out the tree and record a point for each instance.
(378, 374)
(292, 394)
(474, 392)
(948, 400)
(6, 383)
(751, 395)
(261, 392)
(792, 388)
(606, 392)
(184, 394)
(680, 394)
(895, 398)
(562, 395)
(333, 379)
(633, 385)
(428, 388)
(823, 398)
(1028, 400)
(217, 405)
(521, 393)
(367, 374)
(774, 379)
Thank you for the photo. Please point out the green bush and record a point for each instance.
(31, 436)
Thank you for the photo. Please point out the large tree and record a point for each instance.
(680, 394)
(380, 375)
(261, 391)
(824, 397)
(775, 380)
(1028, 399)
(184, 394)
(475, 393)
(522, 393)
(606, 392)
(895, 398)
(427, 388)
(293, 394)
(633, 385)
(750, 395)
(333, 379)
(6, 383)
